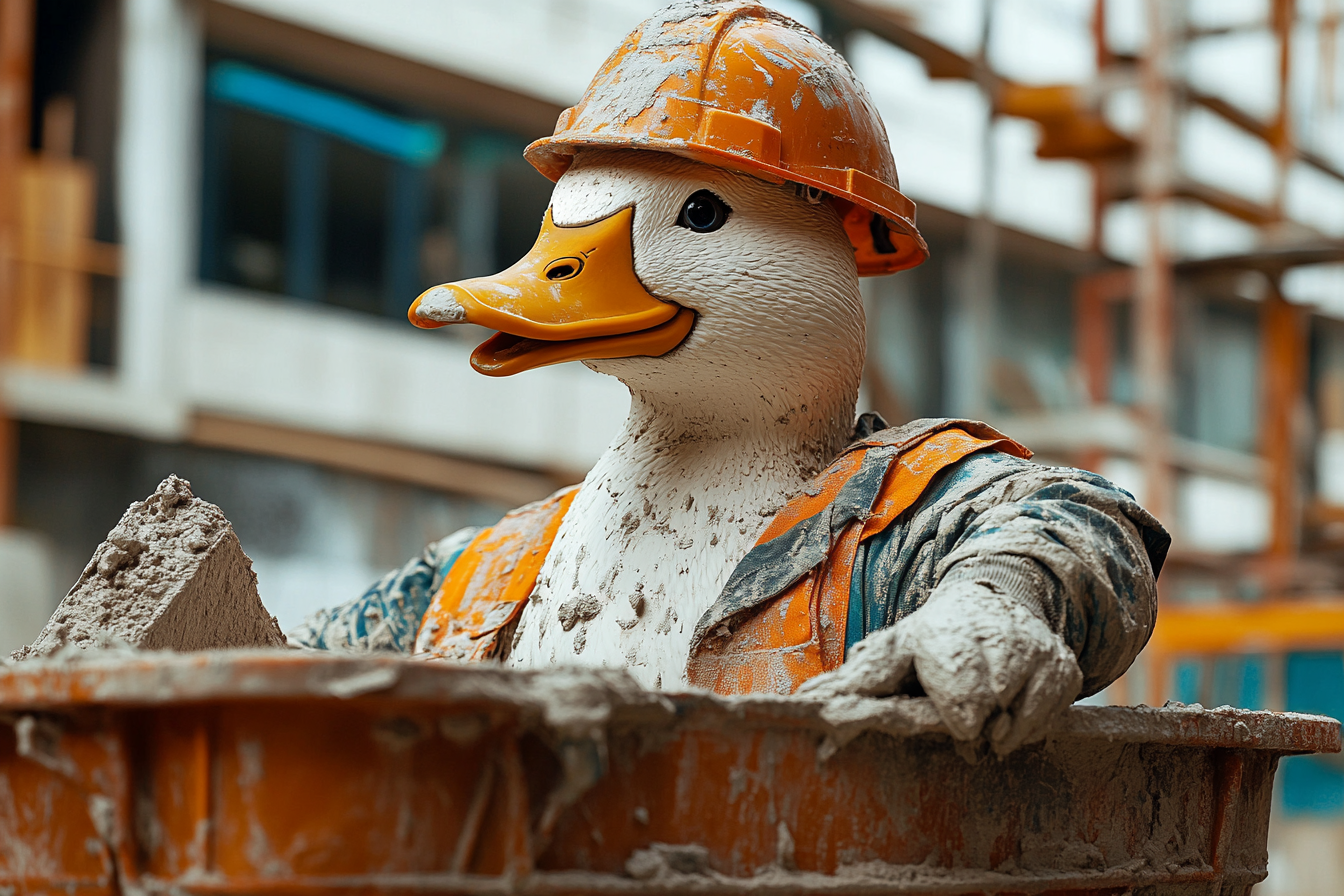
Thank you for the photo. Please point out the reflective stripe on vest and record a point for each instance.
(488, 586)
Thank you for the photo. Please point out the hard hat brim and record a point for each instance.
(553, 157)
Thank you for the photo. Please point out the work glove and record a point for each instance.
(986, 658)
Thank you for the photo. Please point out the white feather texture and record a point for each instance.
(722, 431)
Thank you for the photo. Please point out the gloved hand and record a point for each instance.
(982, 656)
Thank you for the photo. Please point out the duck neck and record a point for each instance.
(680, 442)
(660, 524)
(669, 511)
(711, 470)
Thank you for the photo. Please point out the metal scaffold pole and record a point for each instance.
(977, 286)
(16, 62)
(1153, 318)
(1284, 337)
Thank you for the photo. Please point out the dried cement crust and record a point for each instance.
(170, 576)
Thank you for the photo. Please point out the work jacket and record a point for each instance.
(862, 545)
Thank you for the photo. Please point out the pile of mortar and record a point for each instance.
(170, 576)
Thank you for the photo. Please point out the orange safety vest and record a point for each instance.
(753, 639)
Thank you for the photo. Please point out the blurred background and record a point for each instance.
(216, 213)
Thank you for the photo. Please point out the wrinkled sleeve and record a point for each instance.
(387, 616)
(1068, 543)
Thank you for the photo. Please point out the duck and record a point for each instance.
(755, 400)
(719, 191)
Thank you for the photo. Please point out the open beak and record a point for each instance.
(574, 297)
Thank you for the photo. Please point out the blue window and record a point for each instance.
(1314, 683)
(1238, 681)
(317, 194)
(1220, 357)
(415, 143)
(1189, 681)
(1225, 680)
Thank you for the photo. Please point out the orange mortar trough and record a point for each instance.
(294, 773)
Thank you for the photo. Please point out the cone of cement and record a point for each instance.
(171, 576)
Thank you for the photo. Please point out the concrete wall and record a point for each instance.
(341, 372)
(28, 587)
(184, 349)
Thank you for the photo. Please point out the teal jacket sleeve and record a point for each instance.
(387, 616)
(1068, 543)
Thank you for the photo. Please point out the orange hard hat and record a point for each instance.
(736, 85)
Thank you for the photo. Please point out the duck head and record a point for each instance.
(693, 284)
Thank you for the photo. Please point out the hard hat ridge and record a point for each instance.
(734, 84)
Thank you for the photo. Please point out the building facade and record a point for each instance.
(223, 209)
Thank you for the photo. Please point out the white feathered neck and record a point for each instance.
(722, 431)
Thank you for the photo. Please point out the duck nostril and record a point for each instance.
(564, 268)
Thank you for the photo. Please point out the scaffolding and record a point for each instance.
(1300, 607)
(1300, 583)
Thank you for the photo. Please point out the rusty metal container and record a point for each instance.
(279, 773)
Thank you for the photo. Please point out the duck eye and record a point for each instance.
(703, 213)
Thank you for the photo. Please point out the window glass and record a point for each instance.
(320, 195)
(1188, 684)
(1033, 339)
(1218, 390)
(1219, 680)
(1327, 391)
(357, 188)
(1314, 683)
(1238, 681)
(523, 197)
(247, 239)
(1123, 389)
(904, 374)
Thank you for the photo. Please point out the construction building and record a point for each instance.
(213, 216)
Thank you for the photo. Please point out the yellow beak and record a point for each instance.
(575, 296)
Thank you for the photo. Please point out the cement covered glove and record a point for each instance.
(980, 648)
